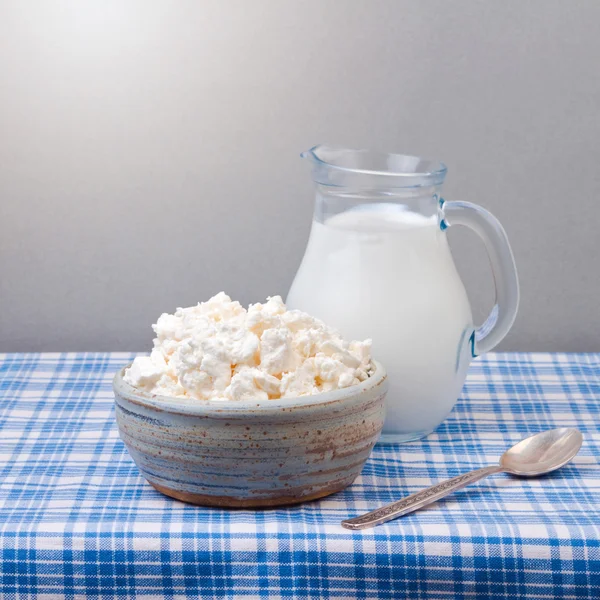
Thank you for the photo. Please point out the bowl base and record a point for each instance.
(269, 502)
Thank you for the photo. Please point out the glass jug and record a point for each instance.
(378, 265)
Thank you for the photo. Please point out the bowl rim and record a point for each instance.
(210, 407)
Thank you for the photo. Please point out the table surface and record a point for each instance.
(77, 519)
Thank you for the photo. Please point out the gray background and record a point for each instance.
(149, 150)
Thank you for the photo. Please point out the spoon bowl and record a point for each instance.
(542, 453)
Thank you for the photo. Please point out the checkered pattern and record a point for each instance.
(77, 520)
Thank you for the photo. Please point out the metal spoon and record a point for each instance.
(535, 455)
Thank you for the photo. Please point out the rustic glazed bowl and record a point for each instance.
(251, 453)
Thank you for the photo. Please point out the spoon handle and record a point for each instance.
(418, 500)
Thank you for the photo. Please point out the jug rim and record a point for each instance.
(404, 170)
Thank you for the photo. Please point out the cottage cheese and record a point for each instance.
(218, 350)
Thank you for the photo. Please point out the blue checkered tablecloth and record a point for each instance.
(77, 520)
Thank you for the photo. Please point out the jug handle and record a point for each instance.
(504, 270)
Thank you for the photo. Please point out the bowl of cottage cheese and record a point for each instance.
(252, 407)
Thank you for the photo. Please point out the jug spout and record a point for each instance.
(307, 153)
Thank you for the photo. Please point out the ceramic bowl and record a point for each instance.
(251, 453)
